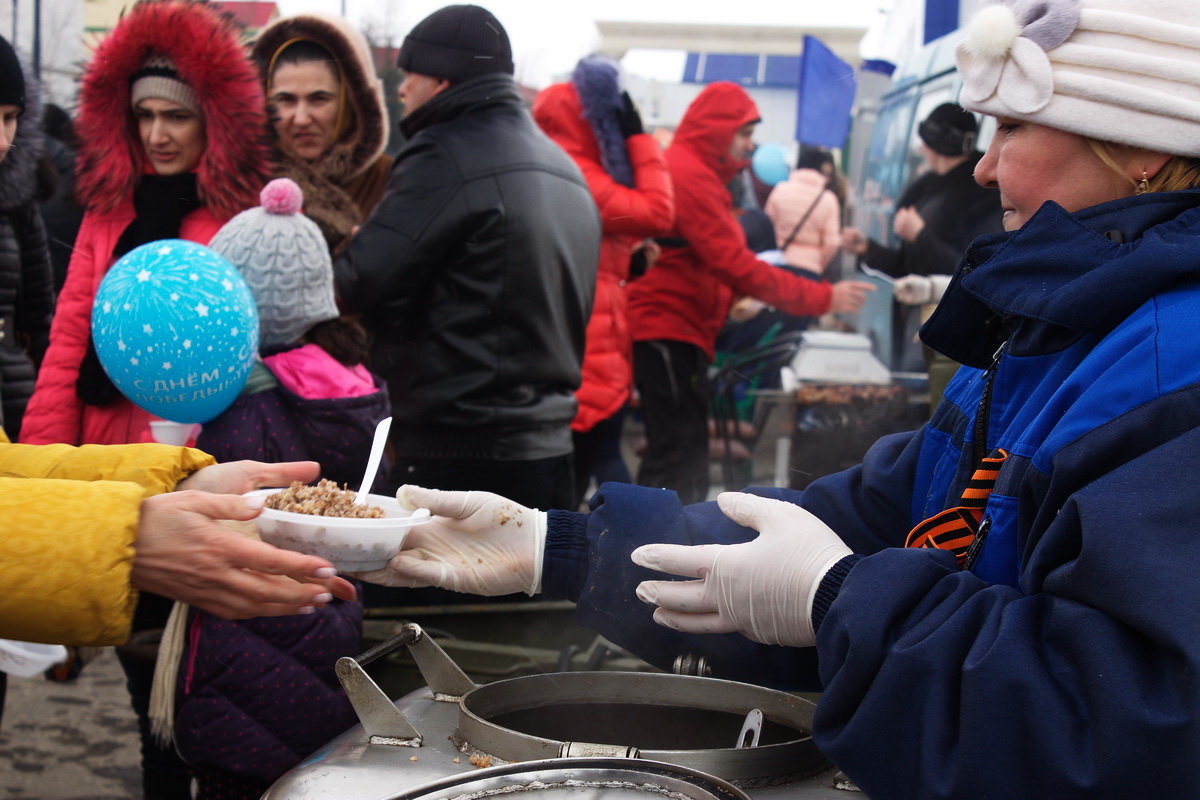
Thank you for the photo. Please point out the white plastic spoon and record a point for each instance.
(381, 434)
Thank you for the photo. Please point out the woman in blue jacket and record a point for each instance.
(1001, 602)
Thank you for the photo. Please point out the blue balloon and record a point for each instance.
(769, 163)
(176, 329)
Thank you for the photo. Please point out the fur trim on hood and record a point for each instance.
(18, 170)
(366, 138)
(598, 84)
(204, 47)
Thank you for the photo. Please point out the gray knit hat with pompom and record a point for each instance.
(285, 261)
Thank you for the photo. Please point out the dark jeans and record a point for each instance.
(598, 455)
(672, 380)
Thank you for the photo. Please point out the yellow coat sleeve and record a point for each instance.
(157, 468)
(68, 520)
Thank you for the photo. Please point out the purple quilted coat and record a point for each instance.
(255, 697)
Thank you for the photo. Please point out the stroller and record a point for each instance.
(736, 415)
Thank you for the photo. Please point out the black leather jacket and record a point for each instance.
(475, 276)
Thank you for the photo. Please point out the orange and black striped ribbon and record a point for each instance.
(955, 528)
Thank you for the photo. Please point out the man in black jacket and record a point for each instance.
(475, 274)
(937, 216)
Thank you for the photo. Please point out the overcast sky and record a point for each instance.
(549, 36)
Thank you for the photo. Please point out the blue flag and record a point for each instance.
(825, 96)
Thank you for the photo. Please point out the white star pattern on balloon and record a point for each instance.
(175, 326)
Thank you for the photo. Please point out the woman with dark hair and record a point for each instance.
(328, 117)
(170, 146)
(1001, 601)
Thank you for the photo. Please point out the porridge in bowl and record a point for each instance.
(323, 520)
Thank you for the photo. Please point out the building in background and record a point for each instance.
(764, 60)
(49, 36)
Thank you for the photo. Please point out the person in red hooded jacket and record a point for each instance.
(677, 309)
(171, 115)
(599, 128)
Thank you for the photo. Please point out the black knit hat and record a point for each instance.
(12, 80)
(950, 130)
(457, 43)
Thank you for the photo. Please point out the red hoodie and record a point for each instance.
(687, 294)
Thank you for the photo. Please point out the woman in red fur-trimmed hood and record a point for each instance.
(171, 121)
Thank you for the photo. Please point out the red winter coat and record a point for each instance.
(686, 295)
(206, 51)
(628, 215)
(54, 413)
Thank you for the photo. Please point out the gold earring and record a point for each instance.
(1143, 185)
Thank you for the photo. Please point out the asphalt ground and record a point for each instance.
(75, 741)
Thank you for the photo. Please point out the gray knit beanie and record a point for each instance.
(285, 261)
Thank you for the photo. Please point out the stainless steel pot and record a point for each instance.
(695, 724)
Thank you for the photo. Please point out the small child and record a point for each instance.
(254, 697)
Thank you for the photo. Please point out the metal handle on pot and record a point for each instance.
(383, 722)
(592, 750)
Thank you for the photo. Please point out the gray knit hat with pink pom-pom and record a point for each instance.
(285, 261)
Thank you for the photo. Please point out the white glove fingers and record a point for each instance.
(456, 505)
(677, 559)
(691, 597)
(692, 623)
(753, 511)
(409, 572)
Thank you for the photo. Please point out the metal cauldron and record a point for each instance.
(755, 738)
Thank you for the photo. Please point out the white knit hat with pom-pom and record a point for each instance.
(1124, 71)
(285, 261)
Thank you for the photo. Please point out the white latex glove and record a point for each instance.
(762, 589)
(919, 290)
(476, 542)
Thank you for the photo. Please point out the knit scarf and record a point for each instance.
(160, 202)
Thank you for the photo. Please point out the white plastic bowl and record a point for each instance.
(353, 545)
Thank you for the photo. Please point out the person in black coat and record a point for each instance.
(26, 280)
(61, 213)
(937, 216)
(475, 273)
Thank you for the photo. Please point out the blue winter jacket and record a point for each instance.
(1064, 663)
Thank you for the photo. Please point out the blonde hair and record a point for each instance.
(1179, 173)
